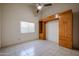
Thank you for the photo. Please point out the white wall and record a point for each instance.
(12, 15)
(52, 31)
(76, 30)
(57, 8)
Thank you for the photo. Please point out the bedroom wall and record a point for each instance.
(76, 30)
(13, 14)
(57, 8)
(0, 23)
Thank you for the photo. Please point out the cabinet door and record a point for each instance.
(65, 31)
(42, 31)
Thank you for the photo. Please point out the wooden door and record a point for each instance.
(65, 29)
(42, 31)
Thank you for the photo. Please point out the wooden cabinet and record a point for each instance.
(40, 26)
(42, 31)
(65, 29)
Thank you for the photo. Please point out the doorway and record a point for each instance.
(52, 31)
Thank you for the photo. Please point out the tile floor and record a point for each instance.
(37, 48)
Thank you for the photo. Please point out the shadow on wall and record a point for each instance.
(76, 30)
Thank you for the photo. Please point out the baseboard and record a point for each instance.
(17, 43)
(75, 48)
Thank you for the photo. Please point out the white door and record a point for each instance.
(52, 31)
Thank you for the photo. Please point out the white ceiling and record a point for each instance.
(59, 7)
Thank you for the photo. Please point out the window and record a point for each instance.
(27, 27)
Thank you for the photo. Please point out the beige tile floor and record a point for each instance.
(38, 48)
